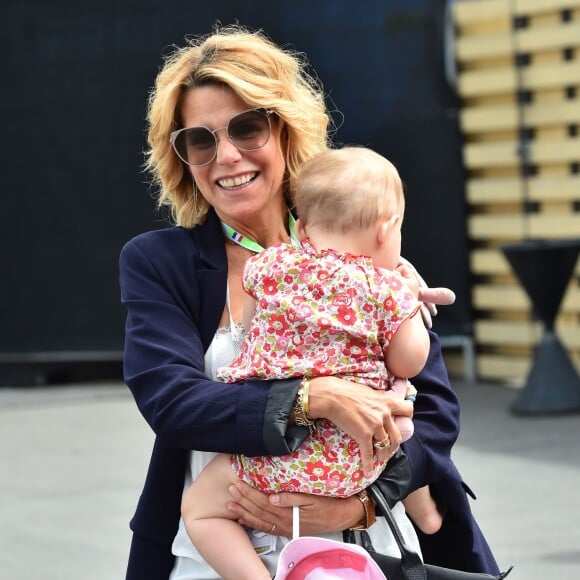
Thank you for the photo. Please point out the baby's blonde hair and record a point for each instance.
(348, 189)
(262, 74)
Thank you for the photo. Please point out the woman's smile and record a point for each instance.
(237, 182)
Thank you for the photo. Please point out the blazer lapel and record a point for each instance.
(211, 272)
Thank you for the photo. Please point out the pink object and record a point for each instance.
(405, 424)
(310, 558)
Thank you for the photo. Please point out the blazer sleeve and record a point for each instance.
(436, 420)
(164, 362)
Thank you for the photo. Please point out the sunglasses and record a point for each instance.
(248, 131)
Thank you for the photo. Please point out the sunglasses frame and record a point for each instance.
(261, 110)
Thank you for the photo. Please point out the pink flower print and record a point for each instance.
(357, 476)
(317, 470)
(390, 304)
(323, 322)
(305, 275)
(367, 307)
(330, 455)
(303, 311)
(317, 293)
(334, 479)
(346, 316)
(288, 279)
(262, 481)
(270, 285)
(253, 334)
(326, 430)
(278, 324)
(342, 299)
(259, 463)
(323, 274)
(354, 349)
(293, 486)
(353, 448)
(320, 368)
(395, 283)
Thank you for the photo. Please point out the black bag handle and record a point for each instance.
(411, 565)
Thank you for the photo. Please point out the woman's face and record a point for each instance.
(244, 187)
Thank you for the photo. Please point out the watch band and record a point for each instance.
(369, 506)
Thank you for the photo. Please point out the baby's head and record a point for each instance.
(350, 191)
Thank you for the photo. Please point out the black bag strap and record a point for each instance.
(411, 564)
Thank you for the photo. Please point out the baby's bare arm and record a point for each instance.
(407, 353)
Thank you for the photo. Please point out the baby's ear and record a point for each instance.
(300, 231)
(387, 225)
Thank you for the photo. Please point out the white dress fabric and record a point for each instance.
(189, 565)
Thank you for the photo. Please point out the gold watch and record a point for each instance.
(369, 506)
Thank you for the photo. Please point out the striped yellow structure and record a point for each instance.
(517, 65)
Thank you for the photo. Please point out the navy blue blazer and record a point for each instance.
(173, 284)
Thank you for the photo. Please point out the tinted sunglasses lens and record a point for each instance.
(196, 145)
(250, 130)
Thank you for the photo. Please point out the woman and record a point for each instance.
(231, 119)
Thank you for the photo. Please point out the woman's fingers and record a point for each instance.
(251, 508)
(319, 514)
(366, 414)
(367, 455)
(379, 434)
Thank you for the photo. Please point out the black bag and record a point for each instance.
(409, 566)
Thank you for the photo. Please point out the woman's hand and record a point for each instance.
(366, 414)
(273, 513)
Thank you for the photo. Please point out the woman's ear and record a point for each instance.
(386, 227)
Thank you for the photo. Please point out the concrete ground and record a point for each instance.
(73, 459)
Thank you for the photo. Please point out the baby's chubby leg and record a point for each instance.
(423, 510)
(221, 541)
(207, 496)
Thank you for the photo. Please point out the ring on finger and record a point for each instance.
(386, 442)
(274, 526)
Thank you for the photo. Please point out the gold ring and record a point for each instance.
(273, 528)
(382, 444)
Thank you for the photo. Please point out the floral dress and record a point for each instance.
(326, 313)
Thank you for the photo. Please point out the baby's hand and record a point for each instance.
(410, 277)
(430, 297)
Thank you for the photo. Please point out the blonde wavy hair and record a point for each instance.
(262, 74)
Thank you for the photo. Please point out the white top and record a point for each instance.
(189, 565)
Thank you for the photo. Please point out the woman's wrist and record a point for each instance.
(368, 517)
(321, 396)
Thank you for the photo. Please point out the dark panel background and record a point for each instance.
(73, 101)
